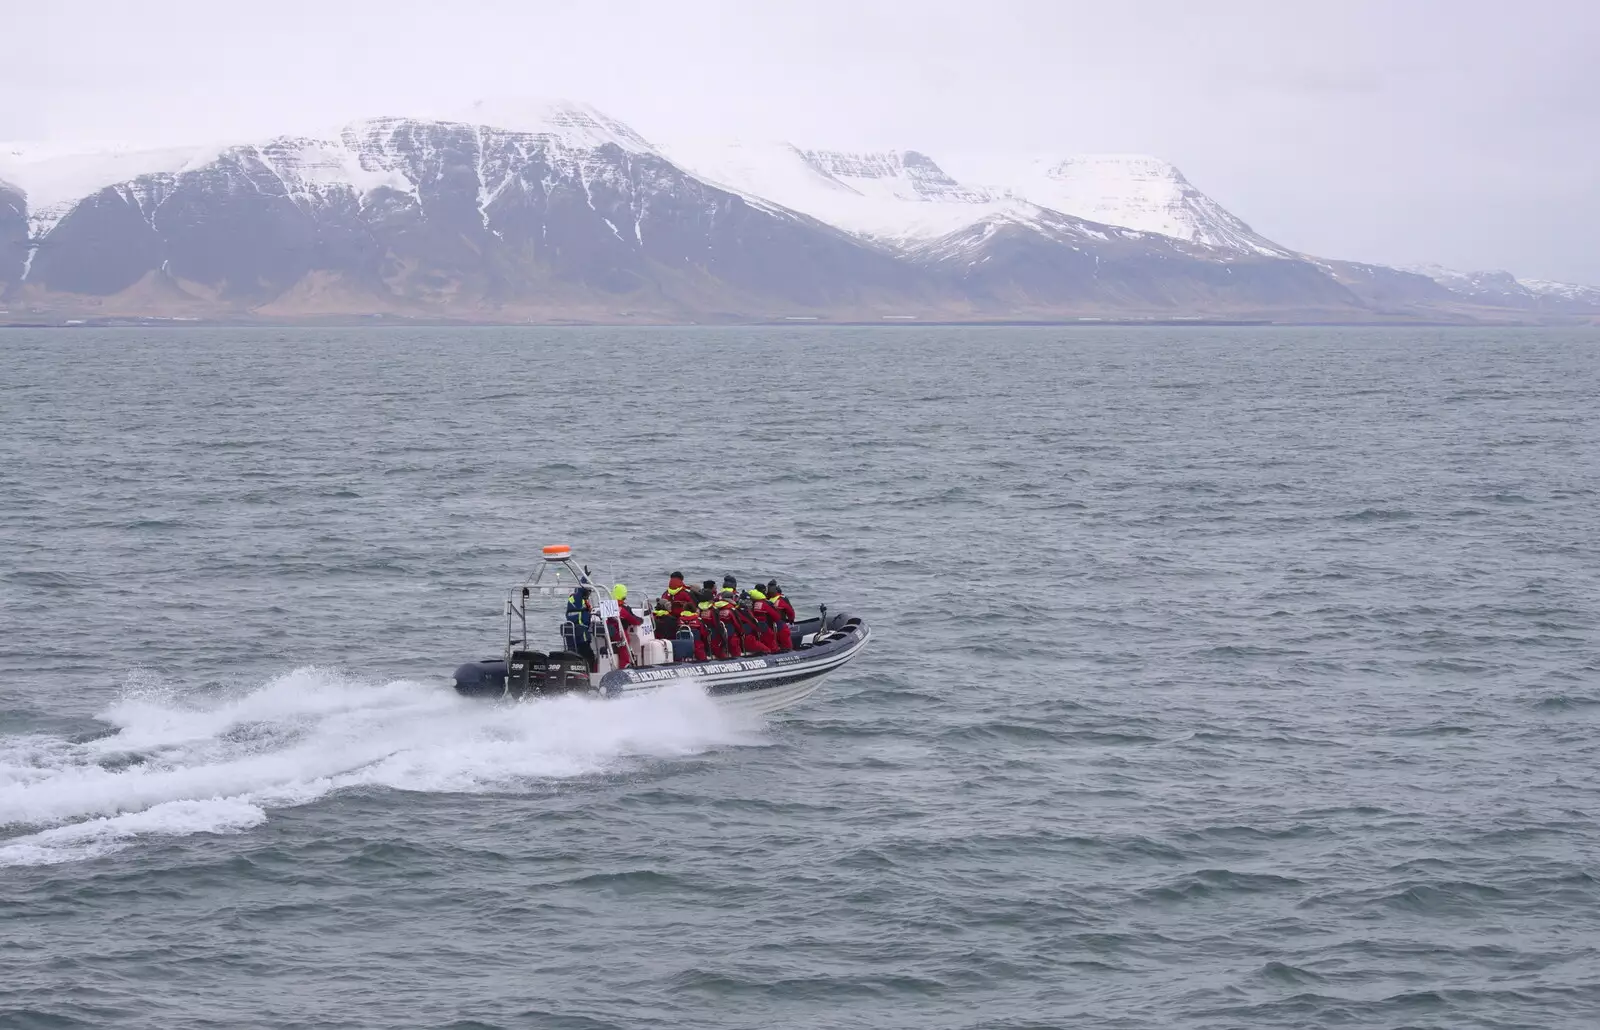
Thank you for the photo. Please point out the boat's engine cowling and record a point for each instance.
(482, 679)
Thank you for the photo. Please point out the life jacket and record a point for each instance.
(742, 618)
(666, 622)
(678, 595)
(762, 611)
(578, 613)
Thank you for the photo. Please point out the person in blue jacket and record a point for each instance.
(579, 613)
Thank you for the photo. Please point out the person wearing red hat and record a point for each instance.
(678, 593)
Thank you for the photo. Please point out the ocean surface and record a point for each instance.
(1221, 678)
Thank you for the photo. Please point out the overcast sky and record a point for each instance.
(1462, 132)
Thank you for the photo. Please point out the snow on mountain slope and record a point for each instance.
(893, 175)
(1504, 289)
(307, 165)
(905, 200)
(1566, 291)
(54, 177)
(1468, 283)
(571, 124)
(968, 241)
(56, 180)
(409, 215)
(900, 198)
(1130, 190)
(358, 159)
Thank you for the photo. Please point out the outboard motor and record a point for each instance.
(481, 679)
(540, 675)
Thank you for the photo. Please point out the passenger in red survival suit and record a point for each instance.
(750, 630)
(785, 612)
(618, 628)
(766, 618)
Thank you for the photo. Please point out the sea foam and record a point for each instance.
(176, 764)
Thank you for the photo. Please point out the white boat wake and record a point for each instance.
(176, 765)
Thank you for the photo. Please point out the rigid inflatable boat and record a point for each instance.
(754, 683)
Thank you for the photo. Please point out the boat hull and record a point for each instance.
(757, 684)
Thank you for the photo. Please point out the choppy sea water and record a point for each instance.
(1220, 678)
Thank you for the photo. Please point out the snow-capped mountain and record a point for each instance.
(904, 199)
(566, 212)
(904, 202)
(55, 177)
(1010, 251)
(1502, 289)
(1135, 191)
(395, 214)
(554, 210)
(1585, 295)
(570, 124)
(896, 198)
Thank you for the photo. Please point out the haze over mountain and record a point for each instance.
(558, 211)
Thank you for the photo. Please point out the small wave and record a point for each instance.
(1106, 737)
(1024, 733)
(816, 987)
(1566, 702)
(1248, 651)
(42, 579)
(1364, 811)
(1378, 515)
(1280, 972)
(41, 1019)
(1253, 833)
(101, 836)
(634, 881)
(176, 764)
(1207, 882)
(143, 525)
(1447, 896)
(1435, 730)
